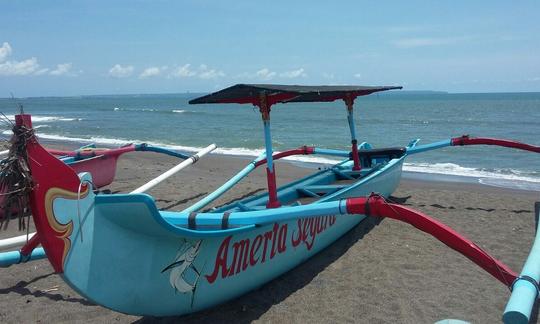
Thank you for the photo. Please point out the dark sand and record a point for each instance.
(382, 271)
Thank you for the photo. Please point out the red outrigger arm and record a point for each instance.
(376, 205)
(304, 150)
(466, 140)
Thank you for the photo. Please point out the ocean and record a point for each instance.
(389, 119)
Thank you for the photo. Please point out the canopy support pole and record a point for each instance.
(349, 101)
(264, 107)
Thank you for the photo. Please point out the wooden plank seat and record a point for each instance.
(319, 190)
(369, 156)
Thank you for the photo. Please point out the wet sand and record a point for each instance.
(382, 271)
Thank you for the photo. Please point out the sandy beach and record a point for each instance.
(382, 271)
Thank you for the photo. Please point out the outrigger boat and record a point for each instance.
(172, 263)
(101, 163)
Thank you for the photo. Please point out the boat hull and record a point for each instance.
(102, 168)
(128, 261)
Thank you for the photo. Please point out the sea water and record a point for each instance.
(389, 119)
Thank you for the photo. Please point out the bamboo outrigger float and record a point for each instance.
(173, 263)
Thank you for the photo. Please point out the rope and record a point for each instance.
(79, 205)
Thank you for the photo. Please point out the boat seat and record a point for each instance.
(319, 190)
(242, 207)
(367, 157)
(391, 152)
(342, 175)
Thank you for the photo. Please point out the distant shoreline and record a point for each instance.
(197, 93)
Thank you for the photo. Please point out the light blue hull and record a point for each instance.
(133, 259)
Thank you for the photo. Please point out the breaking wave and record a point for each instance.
(155, 110)
(508, 178)
(41, 119)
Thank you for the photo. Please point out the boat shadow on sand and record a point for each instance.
(24, 288)
(253, 305)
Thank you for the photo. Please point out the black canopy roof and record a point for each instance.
(250, 93)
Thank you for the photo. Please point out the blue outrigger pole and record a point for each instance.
(525, 290)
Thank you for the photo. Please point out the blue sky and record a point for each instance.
(116, 47)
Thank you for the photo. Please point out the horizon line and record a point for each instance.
(207, 92)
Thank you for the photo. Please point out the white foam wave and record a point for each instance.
(505, 183)
(501, 177)
(41, 119)
(235, 151)
(178, 111)
(134, 109)
(457, 170)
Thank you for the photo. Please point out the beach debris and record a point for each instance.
(16, 181)
(53, 288)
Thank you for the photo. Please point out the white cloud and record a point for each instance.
(152, 71)
(8, 68)
(29, 66)
(206, 73)
(293, 74)
(265, 74)
(358, 75)
(41, 71)
(5, 51)
(62, 69)
(183, 72)
(25, 67)
(203, 72)
(119, 71)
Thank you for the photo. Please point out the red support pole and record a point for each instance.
(356, 159)
(273, 201)
(264, 107)
(349, 101)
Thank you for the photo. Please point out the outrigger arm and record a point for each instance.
(467, 140)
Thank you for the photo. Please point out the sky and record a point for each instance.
(66, 48)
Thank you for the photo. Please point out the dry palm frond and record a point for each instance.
(15, 178)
